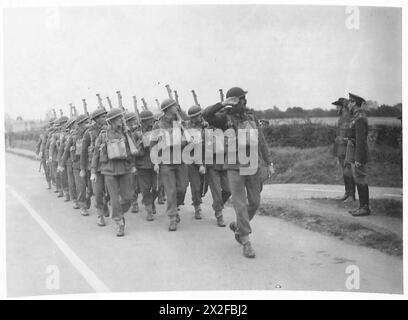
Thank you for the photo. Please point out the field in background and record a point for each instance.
(332, 121)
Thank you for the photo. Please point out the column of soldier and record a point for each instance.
(110, 159)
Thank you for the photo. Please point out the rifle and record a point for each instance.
(195, 98)
(120, 100)
(71, 110)
(169, 91)
(144, 104)
(109, 102)
(158, 103)
(54, 113)
(76, 111)
(221, 94)
(176, 96)
(85, 107)
(100, 101)
(136, 109)
(61, 113)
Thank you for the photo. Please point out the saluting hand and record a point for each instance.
(231, 101)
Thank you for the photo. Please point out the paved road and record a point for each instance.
(44, 235)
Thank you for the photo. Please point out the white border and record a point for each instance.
(222, 295)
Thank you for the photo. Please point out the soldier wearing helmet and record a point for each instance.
(173, 172)
(340, 146)
(147, 177)
(41, 154)
(88, 148)
(245, 189)
(62, 169)
(113, 158)
(132, 122)
(357, 153)
(73, 150)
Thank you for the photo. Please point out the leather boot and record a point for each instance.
(67, 197)
(197, 212)
(173, 224)
(154, 208)
(105, 210)
(233, 228)
(101, 219)
(84, 212)
(149, 211)
(76, 205)
(135, 207)
(120, 231)
(220, 219)
(346, 187)
(60, 194)
(248, 251)
(49, 185)
(363, 195)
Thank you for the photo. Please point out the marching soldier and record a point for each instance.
(357, 153)
(147, 177)
(117, 165)
(87, 153)
(243, 187)
(174, 175)
(46, 150)
(340, 146)
(131, 121)
(73, 148)
(62, 169)
(41, 153)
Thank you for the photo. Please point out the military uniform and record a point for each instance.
(64, 172)
(87, 153)
(243, 187)
(117, 167)
(340, 147)
(173, 174)
(147, 177)
(357, 154)
(40, 152)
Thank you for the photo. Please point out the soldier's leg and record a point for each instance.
(47, 172)
(81, 191)
(126, 191)
(145, 184)
(168, 176)
(226, 190)
(253, 187)
(195, 188)
(135, 182)
(239, 202)
(360, 178)
(112, 184)
(161, 198)
(181, 182)
(64, 184)
(154, 188)
(350, 181)
(214, 182)
(54, 166)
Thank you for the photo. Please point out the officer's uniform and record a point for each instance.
(147, 177)
(73, 148)
(340, 147)
(117, 167)
(87, 153)
(243, 187)
(174, 175)
(358, 155)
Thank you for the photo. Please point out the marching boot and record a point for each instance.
(220, 219)
(120, 231)
(197, 212)
(149, 211)
(135, 207)
(84, 212)
(76, 205)
(101, 219)
(233, 228)
(363, 195)
(105, 210)
(248, 251)
(60, 194)
(173, 224)
(154, 208)
(49, 185)
(67, 197)
(351, 190)
(346, 187)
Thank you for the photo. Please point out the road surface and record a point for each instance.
(47, 239)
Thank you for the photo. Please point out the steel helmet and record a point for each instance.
(130, 116)
(82, 118)
(70, 122)
(146, 115)
(194, 111)
(167, 103)
(236, 92)
(62, 120)
(98, 112)
(114, 113)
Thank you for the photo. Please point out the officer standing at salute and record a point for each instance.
(73, 149)
(87, 153)
(132, 123)
(174, 175)
(117, 165)
(340, 147)
(357, 153)
(147, 177)
(243, 187)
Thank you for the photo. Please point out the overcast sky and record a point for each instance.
(283, 55)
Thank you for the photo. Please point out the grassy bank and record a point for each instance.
(318, 166)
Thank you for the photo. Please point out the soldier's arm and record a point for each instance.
(47, 148)
(38, 145)
(61, 149)
(361, 140)
(52, 145)
(86, 141)
(212, 115)
(95, 156)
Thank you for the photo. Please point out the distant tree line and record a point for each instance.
(299, 112)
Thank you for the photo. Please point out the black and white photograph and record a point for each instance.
(200, 148)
